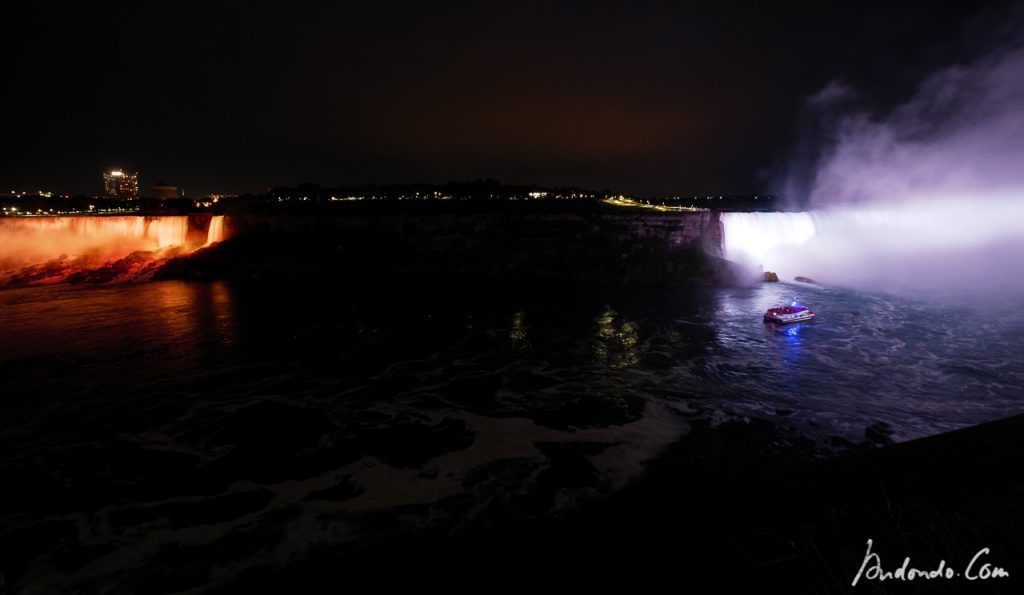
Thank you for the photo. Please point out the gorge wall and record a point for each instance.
(604, 247)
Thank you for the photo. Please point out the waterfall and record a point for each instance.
(969, 247)
(37, 239)
(42, 250)
(816, 243)
(167, 231)
(216, 232)
(761, 239)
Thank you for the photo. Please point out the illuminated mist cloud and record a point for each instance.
(960, 138)
(927, 198)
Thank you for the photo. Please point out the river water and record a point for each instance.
(247, 424)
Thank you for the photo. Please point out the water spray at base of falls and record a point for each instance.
(954, 247)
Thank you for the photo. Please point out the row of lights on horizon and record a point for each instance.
(122, 185)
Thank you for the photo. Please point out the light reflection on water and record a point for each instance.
(471, 403)
(161, 328)
(870, 357)
(922, 368)
(616, 343)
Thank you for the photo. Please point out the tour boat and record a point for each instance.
(791, 313)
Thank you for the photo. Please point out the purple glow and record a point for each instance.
(926, 198)
(958, 139)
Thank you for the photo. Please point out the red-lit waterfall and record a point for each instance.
(39, 250)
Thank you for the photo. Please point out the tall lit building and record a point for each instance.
(121, 184)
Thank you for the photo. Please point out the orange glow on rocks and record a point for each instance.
(42, 250)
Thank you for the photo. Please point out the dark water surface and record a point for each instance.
(161, 436)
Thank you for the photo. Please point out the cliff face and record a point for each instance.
(683, 230)
(659, 249)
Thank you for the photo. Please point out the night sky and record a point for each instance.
(644, 98)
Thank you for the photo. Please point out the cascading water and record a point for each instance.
(52, 249)
(216, 231)
(760, 239)
(167, 231)
(33, 238)
(938, 247)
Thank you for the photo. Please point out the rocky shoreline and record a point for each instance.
(741, 510)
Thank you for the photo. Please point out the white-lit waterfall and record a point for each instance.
(949, 245)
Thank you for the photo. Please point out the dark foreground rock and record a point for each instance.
(735, 507)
